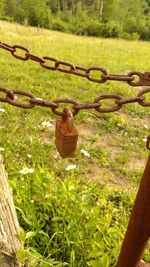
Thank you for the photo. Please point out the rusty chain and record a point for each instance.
(54, 64)
(11, 98)
(66, 67)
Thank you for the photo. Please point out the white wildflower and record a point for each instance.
(146, 126)
(2, 149)
(46, 124)
(3, 110)
(85, 152)
(71, 167)
(145, 139)
(29, 156)
(26, 170)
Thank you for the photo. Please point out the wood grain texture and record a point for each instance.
(9, 226)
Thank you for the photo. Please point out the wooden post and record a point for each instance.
(9, 226)
(138, 232)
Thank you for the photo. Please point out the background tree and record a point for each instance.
(1, 8)
(106, 18)
(10, 8)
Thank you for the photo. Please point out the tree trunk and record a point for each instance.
(9, 226)
(101, 7)
(73, 7)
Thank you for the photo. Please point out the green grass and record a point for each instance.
(67, 215)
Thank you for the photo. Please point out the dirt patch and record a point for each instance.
(137, 120)
(135, 164)
(86, 132)
(47, 136)
(106, 175)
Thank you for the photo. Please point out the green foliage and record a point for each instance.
(92, 28)
(110, 19)
(1, 8)
(10, 7)
(130, 36)
(35, 12)
(110, 29)
(77, 221)
(58, 24)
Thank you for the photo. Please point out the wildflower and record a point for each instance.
(3, 110)
(47, 124)
(85, 152)
(2, 149)
(26, 170)
(146, 126)
(145, 139)
(29, 156)
(71, 167)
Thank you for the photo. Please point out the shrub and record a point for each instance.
(109, 30)
(58, 24)
(130, 36)
(7, 18)
(144, 29)
(93, 28)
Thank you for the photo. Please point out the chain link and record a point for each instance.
(11, 99)
(29, 101)
(65, 100)
(17, 48)
(109, 109)
(66, 67)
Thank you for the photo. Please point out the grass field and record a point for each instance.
(72, 217)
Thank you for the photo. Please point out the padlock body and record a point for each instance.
(66, 141)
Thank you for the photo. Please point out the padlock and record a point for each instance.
(66, 135)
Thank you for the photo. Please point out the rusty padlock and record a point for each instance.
(66, 135)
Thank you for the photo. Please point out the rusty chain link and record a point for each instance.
(66, 67)
(117, 101)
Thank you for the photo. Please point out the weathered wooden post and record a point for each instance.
(9, 226)
(138, 232)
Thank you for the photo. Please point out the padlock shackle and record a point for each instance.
(67, 113)
(68, 119)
